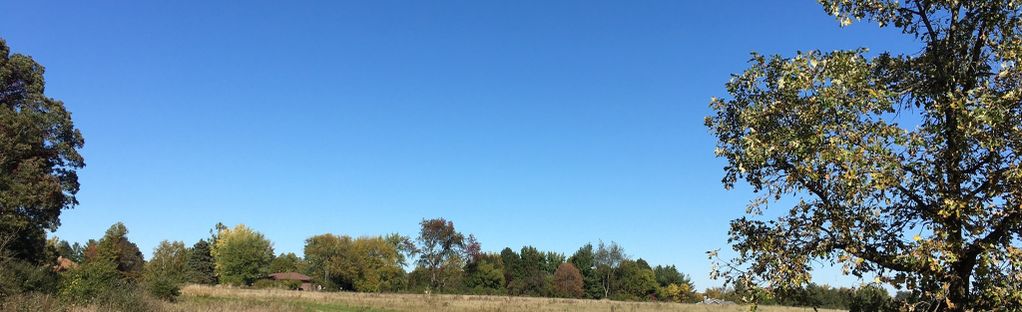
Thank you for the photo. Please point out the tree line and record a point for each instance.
(442, 260)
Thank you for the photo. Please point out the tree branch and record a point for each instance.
(1000, 230)
(921, 11)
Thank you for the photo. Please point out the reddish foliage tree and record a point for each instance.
(568, 281)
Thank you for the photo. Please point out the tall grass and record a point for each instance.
(347, 301)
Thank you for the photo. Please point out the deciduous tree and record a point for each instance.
(241, 255)
(901, 166)
(568, 281)
(439, 244)
(39, 158)
(288, 262)
(167, 270)
(115, 248)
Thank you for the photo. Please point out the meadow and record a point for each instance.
(207, 298)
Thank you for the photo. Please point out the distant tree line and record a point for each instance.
(441, 260)
(866, 298)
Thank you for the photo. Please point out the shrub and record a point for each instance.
(30, 302)
(269, 283)
(167, 271)
(17, 276)
(82, 285)
(163, 288)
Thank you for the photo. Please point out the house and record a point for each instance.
(304, 280)
(64, 264)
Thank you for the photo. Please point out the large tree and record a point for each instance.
(38, 157)
(241, 255)
(900, 166)
(441, 249)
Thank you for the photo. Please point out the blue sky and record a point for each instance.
(544, 123)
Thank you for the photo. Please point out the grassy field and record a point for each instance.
(204, 298)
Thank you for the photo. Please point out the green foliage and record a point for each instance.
(485, 275)
(40, 158)
(377, 264)
(902, 166)
(633, 281)
(288, 262)
(241, 255)
(167, 271)
(440, 246)
(607, 259)
(682, 293)
(326, 256)
(20, 276)
(585, 261)
(269, 283)
(673, 285)
(200, 263)
(73, 252)
(91, 280)
(370, 264)
(666, 275)
(871, 298)
(115, 248)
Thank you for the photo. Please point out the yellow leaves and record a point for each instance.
(845, 21)
(917, 238)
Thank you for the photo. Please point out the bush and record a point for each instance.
(269, 283)
(163, 288)
(126, 298)
(30, 302)
(82, 285)
(18, 276)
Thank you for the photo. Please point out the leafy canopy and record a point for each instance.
(241, 255)
(902, 166)
(38, 157)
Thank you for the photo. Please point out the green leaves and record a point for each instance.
(39, 157)
(872, 148)
(241, 255)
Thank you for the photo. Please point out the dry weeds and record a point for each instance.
(206, 298)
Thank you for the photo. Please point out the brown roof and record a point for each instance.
(291, 276)
(64, 264)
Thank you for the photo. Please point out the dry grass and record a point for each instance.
(206, 298)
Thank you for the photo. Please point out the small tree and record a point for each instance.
(288, 262)
(607, 259)
(241, 255)
(200, 263)
(167, 271)
(634, 282)
(585, 261)
(568, 281)
(115, 248)
(485, 274)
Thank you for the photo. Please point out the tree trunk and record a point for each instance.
(958, 292)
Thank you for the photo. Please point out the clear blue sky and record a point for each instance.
(547, 123)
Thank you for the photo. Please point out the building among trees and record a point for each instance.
(304, 281)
